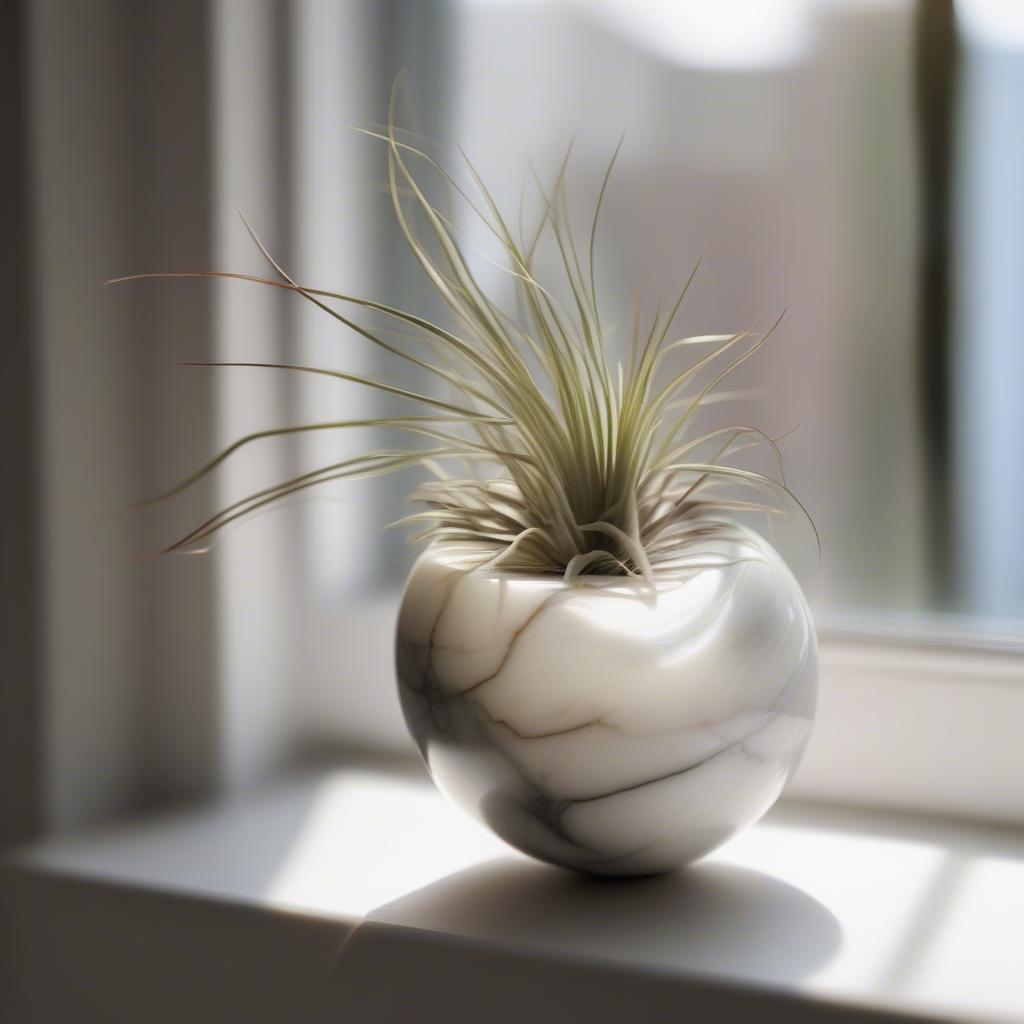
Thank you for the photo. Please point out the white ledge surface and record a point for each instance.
(853, 911)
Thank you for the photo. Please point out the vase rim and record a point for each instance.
(447, 554)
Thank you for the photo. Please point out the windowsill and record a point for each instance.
(393, 906)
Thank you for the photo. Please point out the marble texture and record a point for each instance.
(599, 726)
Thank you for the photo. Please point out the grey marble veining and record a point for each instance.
(598, 726)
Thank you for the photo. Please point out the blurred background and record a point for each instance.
(855, 162)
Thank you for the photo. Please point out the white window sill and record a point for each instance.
(359, 895)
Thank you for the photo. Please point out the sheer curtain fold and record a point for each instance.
(118, 157)
(149, 126)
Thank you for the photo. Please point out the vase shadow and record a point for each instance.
(709, 918)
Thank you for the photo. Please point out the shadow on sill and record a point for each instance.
(715, 919)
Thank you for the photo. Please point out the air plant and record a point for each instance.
(545, 457)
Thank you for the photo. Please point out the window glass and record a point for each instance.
(854, 164)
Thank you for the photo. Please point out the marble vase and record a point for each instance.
(598, 725)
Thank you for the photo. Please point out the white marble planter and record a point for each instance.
(598, 726)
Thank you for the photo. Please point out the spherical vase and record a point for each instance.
(599, 724)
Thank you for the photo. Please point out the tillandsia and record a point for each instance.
(545, 457)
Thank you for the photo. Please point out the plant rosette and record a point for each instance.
(603, 726)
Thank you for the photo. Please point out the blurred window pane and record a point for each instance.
(854, 163)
